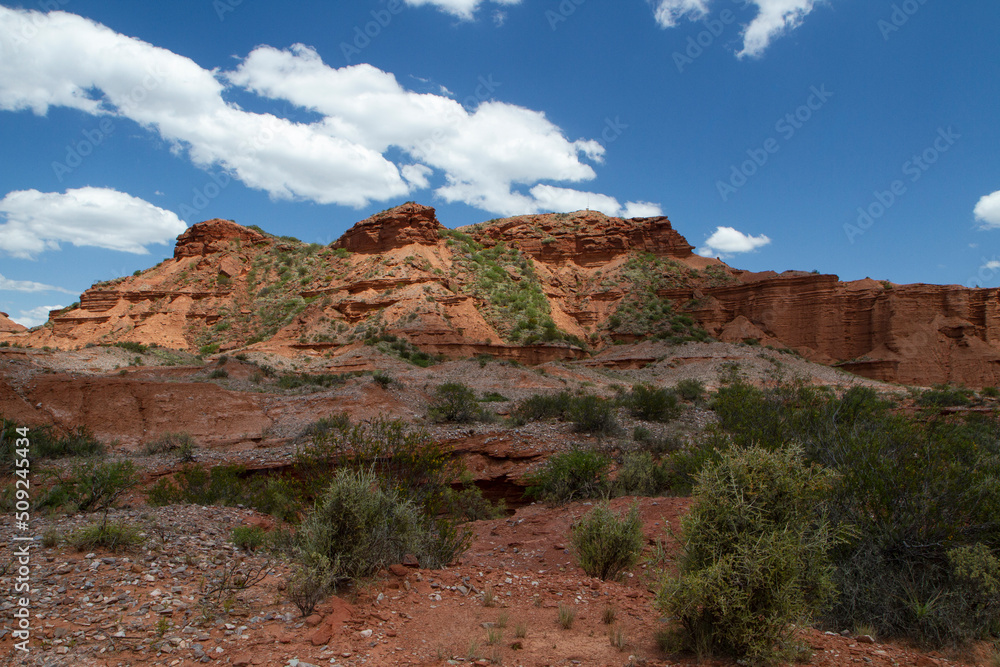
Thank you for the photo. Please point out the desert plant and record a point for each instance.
(114, 537)
(608, 615)
(652, 403)
(754, 555)
(618, 638)
(92, 487)
(567, 615)
(454, 402)
(249, 538)
(641, 475)
(607, 543)
(359, 526)
(591, 414)
(691, 390)
(489, 597)
(578, 473)
(306, 589)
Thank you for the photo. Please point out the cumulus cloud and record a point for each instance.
(487, 154)
(101, 217)
(773, 19)
(463, 9)
(728, 241)
(988, 211)
(6, 284)
(565, 200)
(35, 316)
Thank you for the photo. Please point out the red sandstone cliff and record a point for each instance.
(402, 273)
(8, 325)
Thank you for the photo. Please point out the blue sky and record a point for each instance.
(856, 137)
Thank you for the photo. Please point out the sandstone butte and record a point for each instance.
(532, 288)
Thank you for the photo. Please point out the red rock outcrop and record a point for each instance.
(588, 238)
(230, 287)
(409, 224)
(8, 325)
(212, 236)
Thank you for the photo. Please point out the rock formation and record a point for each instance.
(532, 288)
(8, 325)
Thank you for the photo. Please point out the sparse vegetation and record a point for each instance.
(454, 402)
(607, 543)
(572, 475)
(754, 556)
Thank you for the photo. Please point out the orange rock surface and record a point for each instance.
(402, 273)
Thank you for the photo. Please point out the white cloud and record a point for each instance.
(669, 12)
(485, 156)
(728, 241)
(38, 221)
(992, 265)
(551, 199)
(463, 9)
(483, 153)
(35, 316)
(988, 211)
(774, 18)
(6, 284)
(74, 62)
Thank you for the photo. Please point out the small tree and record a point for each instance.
(454, 402)
(754, 555)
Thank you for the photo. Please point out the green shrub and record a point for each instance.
(571, 475)
(591, 414)
(180, 443)
(543, 406)
(652, 403)
(206, 350)
(691, 390)
(606, 543)
(493, 397)
(324, 380)
(990, 392)
(92, 487)
(382, 379)
(133, 347)
(47, 444)
(111, 536)
(249, 538)
(218, 374)
(641, 475)
(357, 527)
(454, 402)
(945, 396)
(754, 556)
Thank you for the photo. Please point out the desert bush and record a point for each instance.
(249, 538)
(641, 475)
(111, 536)
(318, 380)
(990, 392)
(652, 403)
(543, 406)
(358, 527)
(180, 443)
(944, 396)
(912, 493)
(455, 402)
(591, 414)
(218, 374)
(47, 443)
(572, 475)
(307, 588)
(754, 556)
(691, 390)
(382, 379)
(91, 487)
(607, 543)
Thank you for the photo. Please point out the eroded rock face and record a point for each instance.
(587, 238)
(229, 287)
(409, 224)
(212, 236)
(8, 325)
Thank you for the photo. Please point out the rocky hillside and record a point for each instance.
(532, 288)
